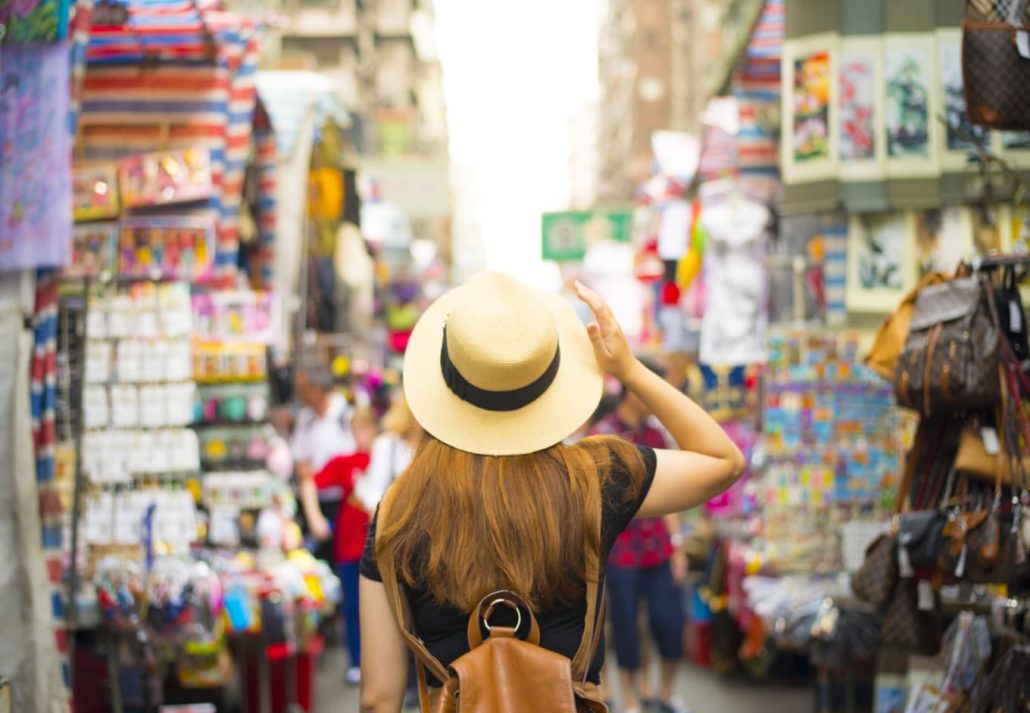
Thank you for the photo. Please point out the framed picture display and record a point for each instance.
(859, 78)
(944, 237)
(959, 136)
(810, 127)
(909, 86)
(881, 266)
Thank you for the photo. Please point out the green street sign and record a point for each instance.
(566, 235)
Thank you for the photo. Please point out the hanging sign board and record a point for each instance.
(567, 235)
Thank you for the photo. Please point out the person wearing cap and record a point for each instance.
(498, 374)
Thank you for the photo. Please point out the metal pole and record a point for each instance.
(76, 418)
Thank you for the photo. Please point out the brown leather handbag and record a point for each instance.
(950, 359)
(503, 673)
(892, 333)
(996, 65)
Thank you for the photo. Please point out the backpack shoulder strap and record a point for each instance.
(402, 610)
(594, 617)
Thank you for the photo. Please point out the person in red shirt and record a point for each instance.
(350, 528)
(644, 565)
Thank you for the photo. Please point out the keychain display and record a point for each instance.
(120, 456)
(93, 250)
(166, 177)
(173, 247)
(231, 403)
(95, 192)
(239, 490)
(242, 446)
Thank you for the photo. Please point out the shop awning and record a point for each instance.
(290, 95)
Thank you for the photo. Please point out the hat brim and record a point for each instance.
(566, 405)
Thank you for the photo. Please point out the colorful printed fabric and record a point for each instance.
(645, 542)
(35, 157)
(34, 20)
(44, 435)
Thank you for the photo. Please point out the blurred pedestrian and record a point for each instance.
(499, 375)
(350, 527)
(644, 567)
(322, 432)
(391, 453)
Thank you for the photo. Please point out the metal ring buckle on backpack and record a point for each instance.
(494, 603)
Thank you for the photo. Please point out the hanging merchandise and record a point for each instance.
(996, 63)
(35, 156)
(94, 246)
(733, 329)
(173, 247)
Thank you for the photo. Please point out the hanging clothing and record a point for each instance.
(735, 319)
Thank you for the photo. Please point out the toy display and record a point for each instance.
(95, 192)
(229, 315)
(166, 177)
(93, 249)
(231, 403)
(172, 247)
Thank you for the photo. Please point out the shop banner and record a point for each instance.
(567, 235)
(35, 157)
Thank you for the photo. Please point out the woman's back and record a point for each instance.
(458, 527)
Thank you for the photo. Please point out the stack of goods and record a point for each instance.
(231, 410)
(832, 435)
(137, 404)
(117, 232)
(180, 614)
(956, 351)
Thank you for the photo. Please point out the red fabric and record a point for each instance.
(352, 523)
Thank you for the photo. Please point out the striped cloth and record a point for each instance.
(195, 90)
(44, 434)
(835, 241)
(266, 153)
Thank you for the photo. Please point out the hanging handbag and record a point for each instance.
(892, 333)
(1012, 317)
(921, 537)
(950, 360)
(996, 65)
(876, 577)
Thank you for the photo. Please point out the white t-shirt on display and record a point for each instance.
(319, 439)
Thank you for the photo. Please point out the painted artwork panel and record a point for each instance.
(880, 261)
(857, 107)
(908, 112)
(960, 133)
(944, 237)
(34, 20)
(811, 115)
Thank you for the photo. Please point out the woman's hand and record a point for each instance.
(611, 349)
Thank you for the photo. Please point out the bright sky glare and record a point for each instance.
(514, 76)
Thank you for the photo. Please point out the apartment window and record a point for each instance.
(326, 51)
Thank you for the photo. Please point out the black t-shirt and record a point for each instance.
(443, 628)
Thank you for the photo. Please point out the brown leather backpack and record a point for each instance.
(505, 674)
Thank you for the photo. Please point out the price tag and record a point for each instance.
(1015, 315)
(925, 590)
(1023, 43)
(990, 437)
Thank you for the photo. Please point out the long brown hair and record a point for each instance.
(462, 525)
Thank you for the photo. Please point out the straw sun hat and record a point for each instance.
(498, 368)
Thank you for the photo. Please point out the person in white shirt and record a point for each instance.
(322, 433)
(391, 454)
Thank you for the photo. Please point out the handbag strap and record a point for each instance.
(401, 608)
